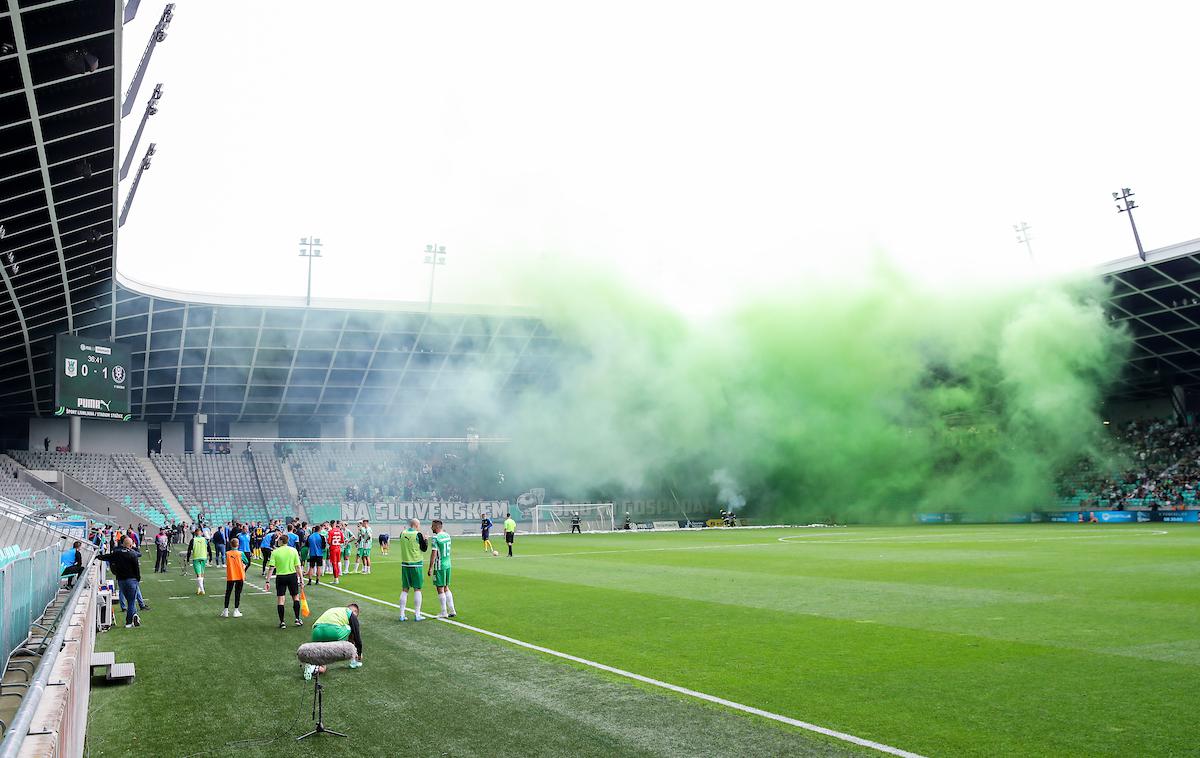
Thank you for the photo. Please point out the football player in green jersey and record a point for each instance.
(439, 569)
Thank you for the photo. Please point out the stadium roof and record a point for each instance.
(236, 358)
(1159, 301)
(60, 100)
(256, 359)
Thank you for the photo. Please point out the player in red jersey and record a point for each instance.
(337, 539)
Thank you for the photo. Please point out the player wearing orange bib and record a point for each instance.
(337, 539)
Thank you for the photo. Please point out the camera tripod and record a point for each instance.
(319, 710)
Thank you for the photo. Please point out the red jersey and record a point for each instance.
(336, 538)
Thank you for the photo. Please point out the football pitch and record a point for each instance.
(949, 640)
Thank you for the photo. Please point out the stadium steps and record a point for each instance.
(120, 672)
(107, 664)
(290, 480)
(102, 661)
(177, 512)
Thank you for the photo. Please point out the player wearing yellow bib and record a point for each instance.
(335, 625)
(439, 569)
(199, 552)
(412, 544)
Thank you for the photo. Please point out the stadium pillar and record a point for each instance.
(76, 429)
(348, 430)
(197, 436)
(1179, 403)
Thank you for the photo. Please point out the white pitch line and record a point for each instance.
(844, 737)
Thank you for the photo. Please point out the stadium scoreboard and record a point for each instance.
(91, 378)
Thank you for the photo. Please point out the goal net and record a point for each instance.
(552, 519)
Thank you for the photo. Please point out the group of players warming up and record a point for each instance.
(292, 554)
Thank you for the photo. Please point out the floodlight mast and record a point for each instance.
(310, 247)
(435, 255)
(1126, 196)
(1024, 237)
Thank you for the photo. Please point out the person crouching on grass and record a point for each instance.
(336, 625)
(236, 563)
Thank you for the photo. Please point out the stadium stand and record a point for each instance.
(23, 493)
(170, 467)
(116, 476)
(43, 621)
(332, 475)
(1156, 464)
(242, 486)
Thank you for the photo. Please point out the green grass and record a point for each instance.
(992, 640)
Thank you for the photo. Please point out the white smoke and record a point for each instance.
(728, 493)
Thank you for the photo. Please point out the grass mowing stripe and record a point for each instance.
(659, 683)
(815, 539)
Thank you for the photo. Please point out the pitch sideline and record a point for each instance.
(844, 737)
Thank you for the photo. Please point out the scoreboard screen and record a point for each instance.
(91, 378)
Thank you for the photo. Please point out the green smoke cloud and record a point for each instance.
(868, 400)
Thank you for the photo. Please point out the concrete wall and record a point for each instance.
(95, 436)
(245, 429)
(333, 429)
(57, 429)
(1132, 410)
(173, 434)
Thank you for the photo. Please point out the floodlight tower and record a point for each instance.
(1024, 237)
(1126, 196)
(435, 255)
(310, 247)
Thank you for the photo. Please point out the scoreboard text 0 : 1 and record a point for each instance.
(91, 378)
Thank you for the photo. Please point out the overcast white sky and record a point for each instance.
(704, 148)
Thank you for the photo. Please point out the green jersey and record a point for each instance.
(285, 560)
(441, 543)
(364, 537)
(510, 525)
(410, 548)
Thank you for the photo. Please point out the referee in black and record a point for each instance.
(575, 521)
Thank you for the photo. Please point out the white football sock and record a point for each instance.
(450, 601)
(442, 601)
(403, 601)
(417, 601)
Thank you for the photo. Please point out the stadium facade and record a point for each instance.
(247, 366)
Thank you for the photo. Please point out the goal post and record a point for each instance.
(556, 519)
